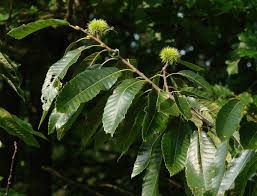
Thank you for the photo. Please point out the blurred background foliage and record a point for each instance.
(219, 35)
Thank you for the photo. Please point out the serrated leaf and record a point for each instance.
(150, 185)
(9, 72)
(200, 163)
(119, 102)
(219, 166)
(183, 105)
(154, 122)
(235, 167)
(143, 157)
(133, 134)
(26, 29)
(61, 121)
(19, 128)
(244, 177)
(229, 118)
(169, 108)
(248, 135)
(191, 65)
(56, 72)
(175, 144)
(86, 63)
(195, 78)
(85, 86)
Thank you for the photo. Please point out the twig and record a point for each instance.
(134, 69)
(116, 188)
(69, 181)
(124, 61)
(166, 86)
(11, 168)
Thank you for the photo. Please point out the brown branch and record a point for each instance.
(124, 61)
(165, 83)
(116, 188)
(11, 168)
(69, 181)
(134, 69)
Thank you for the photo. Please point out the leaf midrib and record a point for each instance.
(77, 95)
(119, 100)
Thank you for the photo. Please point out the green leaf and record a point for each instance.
(219, 166)
(169, 108)
(151, 177)
(86, 63)
(9, 72)
(119, 102)
(200, 163)
(232, 67)
(17, 127)
(26, 29)
(174, 147)
(191, 65)
(133, 134)
(1, 178)
(195, 78)
(244, 176)
(235, 167)
(248, 135)
(56, 72)
(143, 157)
(85, 86)
(183, 105)
(62, 121)
(229, 118)
(154, 122)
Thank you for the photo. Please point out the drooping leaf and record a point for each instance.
(88, 124)
(183, 105)
(133, 134)
(244, 176)
(175, 144)
(154, 121)
(228, 119)
(248, 135)
(19, 128)
(219, 166)
(150, 185)
(235, 167)
(191, 65)
(61, 121)
(85, 86)
(26, 29)
(195, 78)
(200, 163)
(119, 102)
(56, 72)
(170, 108)
(9, 72)
(143, 157)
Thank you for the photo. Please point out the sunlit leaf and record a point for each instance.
(229, 118)
(26, 29)
(119, 102)
(85, 86)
